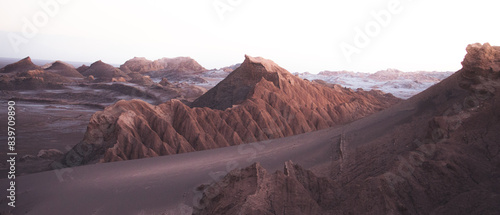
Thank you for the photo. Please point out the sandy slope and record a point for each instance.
(436, 153)
(160, 184)
(168, 183)
(156, 184)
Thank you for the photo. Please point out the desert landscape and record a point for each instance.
(260, 141)
(224, 107)
(59, 100)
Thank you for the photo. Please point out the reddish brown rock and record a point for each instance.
(436, 153)
(164, 82)
(82, 68)
(258, 101)
(481, 62)
(64, 70)
(120, 79)
(178, 64)
(255, 191)
(104, 72)
(140, 65)
(140, 79)
(24, 75)
(23, 65)
(179, 69)
(90, 78)
(32, 80)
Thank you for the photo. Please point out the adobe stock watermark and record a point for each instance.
(364, 35)
(221, 7)
(73, 157)
(31, 26)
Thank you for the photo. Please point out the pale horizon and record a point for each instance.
(358, 36)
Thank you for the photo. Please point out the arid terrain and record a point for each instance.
(57, 99)
(401, 84)
(171, 137)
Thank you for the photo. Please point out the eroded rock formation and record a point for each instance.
(436, 153)
(258, 101)
(254, 191)
(64, 70)
(32, 80)
(176, 69)
(104, 72)
(23, 65)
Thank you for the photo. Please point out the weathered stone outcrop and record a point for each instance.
(265, 102)
(104, 72)
(178, 69)
(438, 153)
(253, 190)
(32, 80)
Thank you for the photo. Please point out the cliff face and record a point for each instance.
(266, 102)
(436, 153)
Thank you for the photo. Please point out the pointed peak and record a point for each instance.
(243, 81)
(255, 59)
(22, 65)
(98, 62)
(27, 59)
(101, 66)
(61, 63)
(269, 65)
(82, 68)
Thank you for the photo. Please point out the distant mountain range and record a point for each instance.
(184, 69)
(6, 61)
(400, 84)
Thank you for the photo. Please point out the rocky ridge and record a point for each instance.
(265, 102)
(436, 153)
(175, 69)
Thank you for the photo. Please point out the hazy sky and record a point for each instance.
(356, 35)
